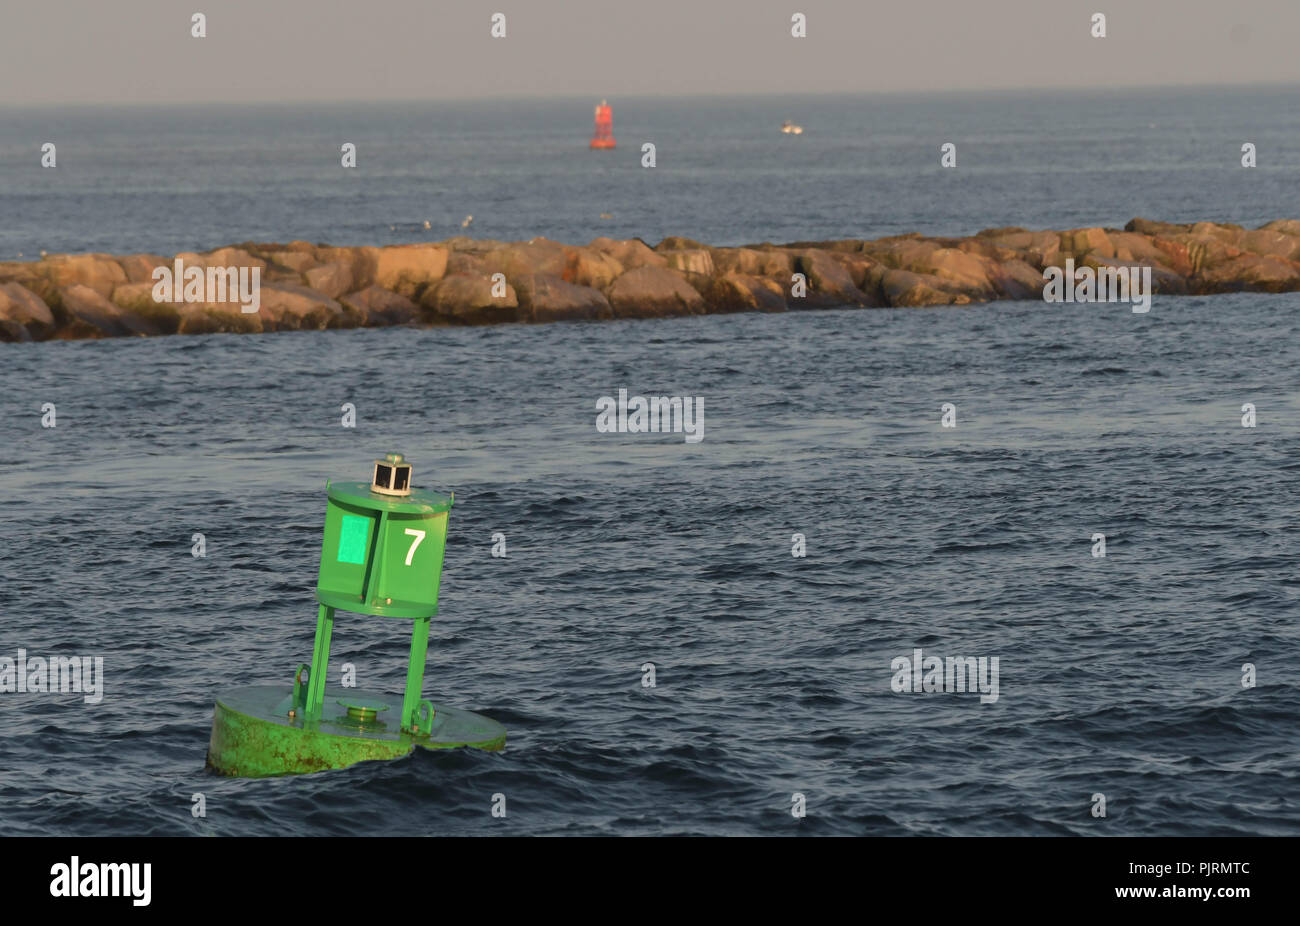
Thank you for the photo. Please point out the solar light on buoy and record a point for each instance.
(381, 555)
(392, 475)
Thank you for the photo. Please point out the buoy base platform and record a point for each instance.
(254, 735)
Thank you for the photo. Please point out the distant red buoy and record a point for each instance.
(604, 136)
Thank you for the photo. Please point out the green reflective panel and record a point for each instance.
(353, 534)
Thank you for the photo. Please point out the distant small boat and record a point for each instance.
(789, 128)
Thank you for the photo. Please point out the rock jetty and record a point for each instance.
(463, 281)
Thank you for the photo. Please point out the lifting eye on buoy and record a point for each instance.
(392, 476)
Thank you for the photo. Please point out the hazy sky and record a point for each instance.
(74, 51)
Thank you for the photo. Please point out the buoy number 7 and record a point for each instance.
(418, 535)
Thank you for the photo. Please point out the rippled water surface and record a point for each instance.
(1119, 675)
(179, 178)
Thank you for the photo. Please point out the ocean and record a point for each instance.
(171, 179)
(1119, 676)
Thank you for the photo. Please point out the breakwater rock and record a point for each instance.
(463, 281)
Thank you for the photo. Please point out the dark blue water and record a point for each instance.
(176, 178)
(1118, 675)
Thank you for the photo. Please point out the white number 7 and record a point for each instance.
(418, 535)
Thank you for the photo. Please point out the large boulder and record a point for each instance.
(1043, 250)
(409, 268)
(228, 316)
(1016, 279)
(90, 315)
(1225, 232)
(589, 267)
(1285, 226)
(905, 288)
(985, 249)
(297, 261)
(902, 253)
(24, 316)
(691, 260)
(468, 300)
(219, 318)
(828, 282)
(1176, 255)
(139, 268)
(546, 298)
(740, 292)
(232, 257)
(536, 256)
(291, 272)
(189, 259)
(100, 272)
(12, 331)
(1132, 246)
(864, 272)
(136, 299)
(360, 266)
(770, 262)
(1271, 243)
(1080, 241)
(333, 279)
(376, 306)
(630, 253)
(466, 262)
(962, 272)
(963, 266)
(286, 307)
(653, 292)
(1163, 280)
(1250, 272)
(287, 262)
(1206, 251)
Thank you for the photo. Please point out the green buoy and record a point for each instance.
(381, 555)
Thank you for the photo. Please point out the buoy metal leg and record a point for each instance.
(415, 676)
(320, 658)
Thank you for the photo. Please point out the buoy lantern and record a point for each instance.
(381, 555)
(392, 476)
